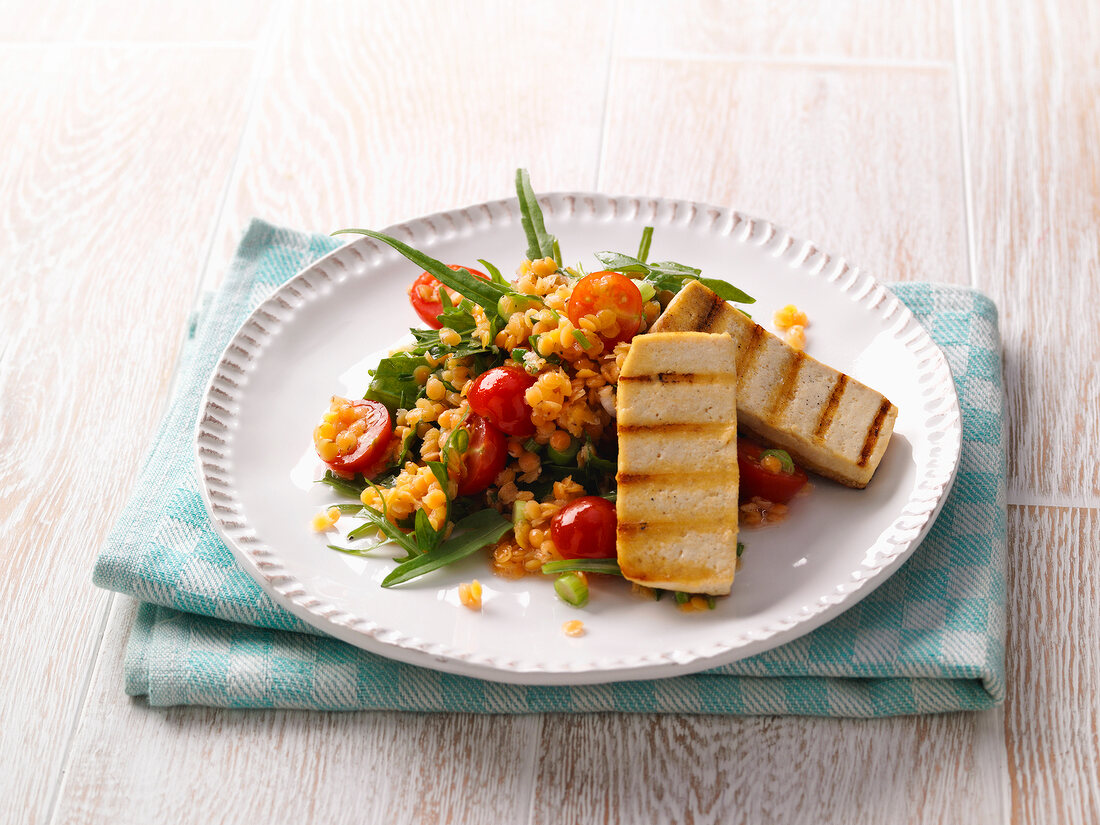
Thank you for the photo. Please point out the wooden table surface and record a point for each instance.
(925, 140)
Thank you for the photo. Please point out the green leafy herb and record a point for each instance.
(670, 275)
(540, 243)
(355, 551)
(427, 537)
(393, 382)
(478, 530)
(483, 293)
(344, 486)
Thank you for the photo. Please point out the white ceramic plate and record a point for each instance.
(318, 334)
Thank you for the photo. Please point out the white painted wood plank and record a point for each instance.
(1031, 93)
(112, 170)
(685, 769)
(376, 113)
(1053, 707)
(863, 161)
(120, 21)
(798, 30)
(136, 764)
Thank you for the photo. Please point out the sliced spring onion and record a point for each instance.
(460, 439)
(609, 567)
(681, 597)
(740, 548)
(563, 458)
(647, 289)
(784, 459)
(572, 589)
(581, 339)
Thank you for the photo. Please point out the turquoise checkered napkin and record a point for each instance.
(930, 639)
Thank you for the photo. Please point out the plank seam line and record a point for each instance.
(961, 101)
(535, 741)
(608, 67)
(78, 715)
(826, 61)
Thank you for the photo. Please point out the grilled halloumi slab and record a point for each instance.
(677, 478)
(829, 422)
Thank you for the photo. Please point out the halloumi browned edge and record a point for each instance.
(829, 422)
(677, 480)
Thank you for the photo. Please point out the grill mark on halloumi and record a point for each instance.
(749, 353)
(639, 478)
(829, 410)
(785, 391)
(873, 433)
(676, 378)
(676, 428)
(712, 314)
(673, 528)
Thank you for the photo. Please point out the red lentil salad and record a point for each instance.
(496, 428)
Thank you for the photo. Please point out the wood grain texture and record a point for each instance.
(1053, 707)
(698, 769)
(400, 110)
(167, 21)
(135, 764)
(811, 30)
(842, 156)
(113, 165)
(1031, 89)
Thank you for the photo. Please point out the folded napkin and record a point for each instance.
(930, 639)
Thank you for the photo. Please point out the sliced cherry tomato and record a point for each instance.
(607, 290)
(756, 480)
(353, 436)
(424, 295)
(485, 456)
(585, 529)
(498, 395)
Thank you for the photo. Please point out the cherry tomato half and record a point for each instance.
(778, 487)
(585, 529)
(607, 290)
(353, 436)
(485, 456)
(497, 395)
(424, 295)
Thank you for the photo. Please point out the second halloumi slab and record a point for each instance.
(677, 477)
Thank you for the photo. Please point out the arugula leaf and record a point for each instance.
(483, 293)
(540, 243)
(479, 529)
(389, 530)
(392, 381)
(347, 487)
(427, 537)
(670, 275)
